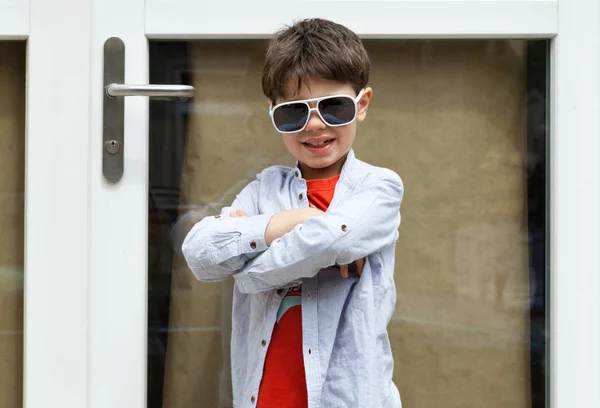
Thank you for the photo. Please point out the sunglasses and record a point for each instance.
(335, 110)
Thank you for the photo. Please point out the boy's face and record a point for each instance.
(315, 159)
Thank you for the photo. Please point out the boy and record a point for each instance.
(304, 336)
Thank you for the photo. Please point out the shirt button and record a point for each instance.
(253, 245)
(296, 174)
(263, 343)
(301, 196)
(344, 227)
(253, 399)
(309, 351)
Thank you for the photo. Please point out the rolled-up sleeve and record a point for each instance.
(220, 245)
(362, 222)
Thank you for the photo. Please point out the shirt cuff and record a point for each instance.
(246, 284)
(252, 230)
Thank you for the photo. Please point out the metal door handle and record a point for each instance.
(113, 137)
(168, 91)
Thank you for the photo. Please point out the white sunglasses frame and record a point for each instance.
(310, 110)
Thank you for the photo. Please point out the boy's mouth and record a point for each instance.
(318, 143)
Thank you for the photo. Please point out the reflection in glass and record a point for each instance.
(463, 123)
(12, 220)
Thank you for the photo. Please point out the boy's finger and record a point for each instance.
(242, 213)
(344, 271)
(360, 264)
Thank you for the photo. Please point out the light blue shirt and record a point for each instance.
(347, 354)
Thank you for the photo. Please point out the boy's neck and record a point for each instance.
(309, 173)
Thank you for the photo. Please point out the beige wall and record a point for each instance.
(449, 118)
(12, 171)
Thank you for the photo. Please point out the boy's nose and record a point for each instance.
(314, 122)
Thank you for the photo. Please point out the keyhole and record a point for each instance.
(113, 146)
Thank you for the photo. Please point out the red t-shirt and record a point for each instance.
(284, 380)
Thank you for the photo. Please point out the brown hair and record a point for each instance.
(314, 48)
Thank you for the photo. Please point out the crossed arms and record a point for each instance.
(283, 222)
(268, 251)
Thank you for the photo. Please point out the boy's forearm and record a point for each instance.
(285, 221)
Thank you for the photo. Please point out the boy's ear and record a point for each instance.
(363, 104)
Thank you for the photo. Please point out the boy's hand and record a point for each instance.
(285, 221)
(238, 214)
(360, 263)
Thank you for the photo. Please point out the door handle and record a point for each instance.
(163, 91)
(114, 106)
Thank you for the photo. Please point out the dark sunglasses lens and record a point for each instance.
(338, 110)
(290, 118)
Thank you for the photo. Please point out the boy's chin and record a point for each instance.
(320, 164)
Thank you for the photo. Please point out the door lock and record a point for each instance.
(112, 146)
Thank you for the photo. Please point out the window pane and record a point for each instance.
(463, 123)
(12, 191)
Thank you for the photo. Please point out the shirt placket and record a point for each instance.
(310, 338)
(300, 200)
(274, 302)
(310, 341)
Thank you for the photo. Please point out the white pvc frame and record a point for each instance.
(57, 209)
(86, 255)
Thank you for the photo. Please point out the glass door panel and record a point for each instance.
(12, 220)
(462, 122)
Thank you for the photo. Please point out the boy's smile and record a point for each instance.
(318, 144)
(321, 149)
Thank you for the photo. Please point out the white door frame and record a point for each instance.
(57, 210)
(575, 204)
(57, 213)
(86, 239)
